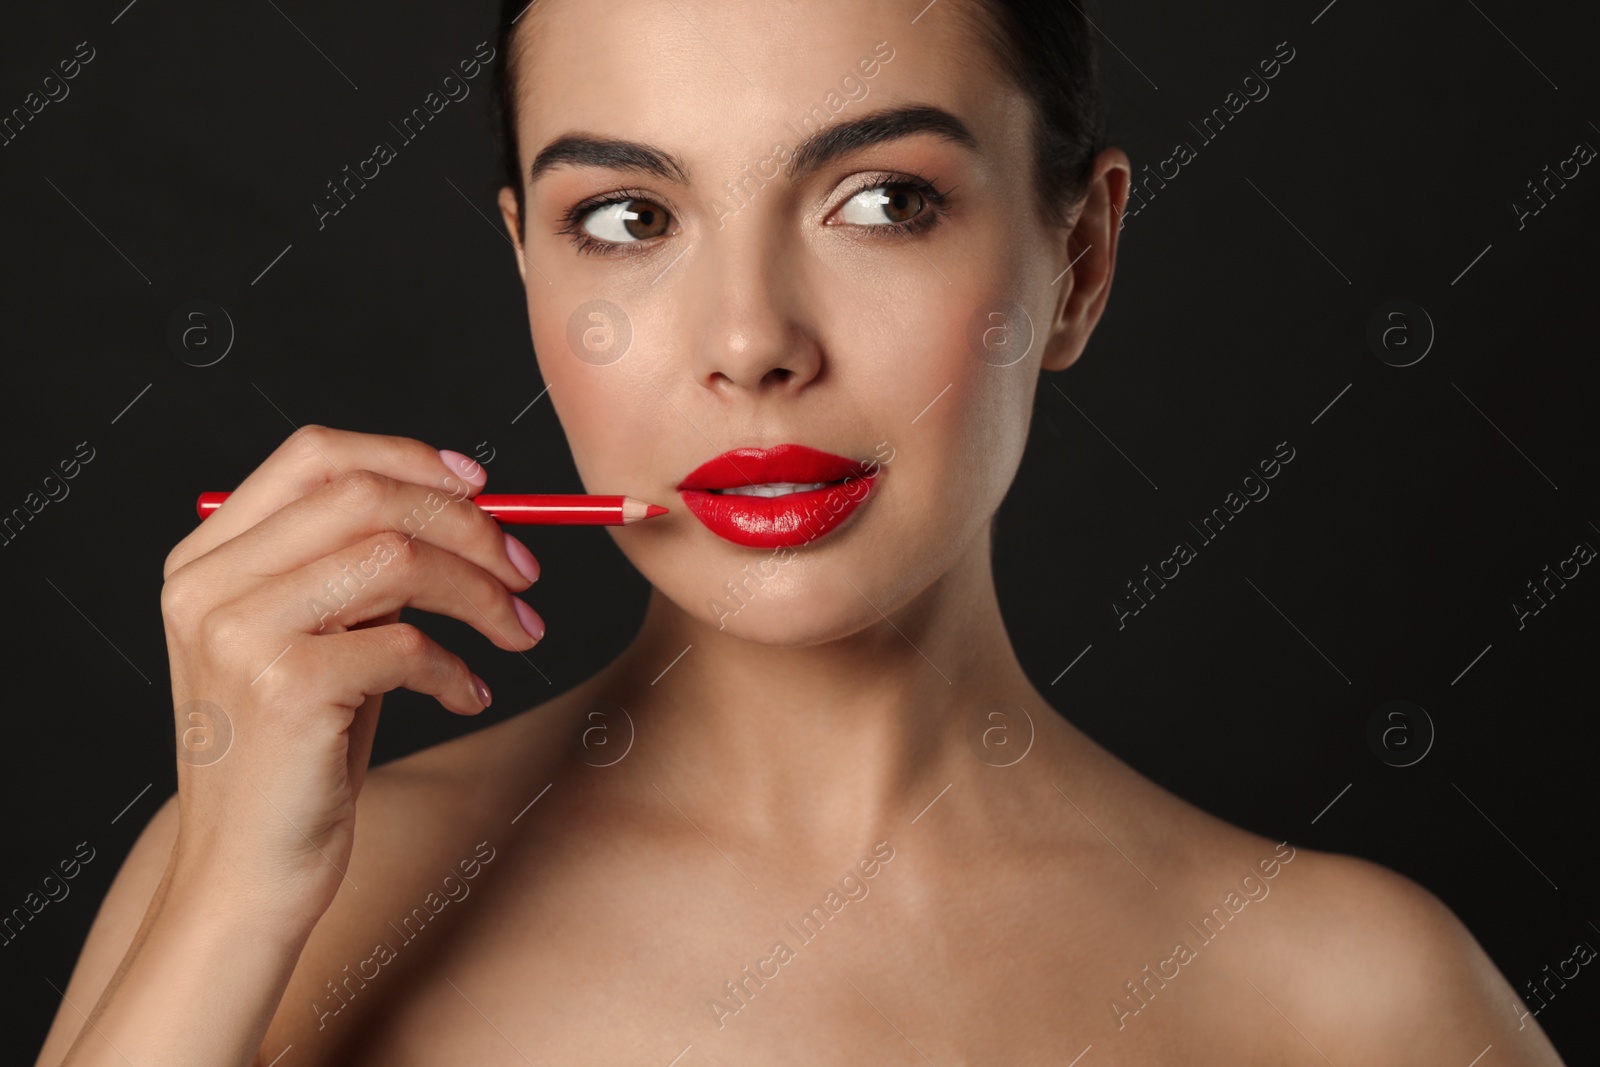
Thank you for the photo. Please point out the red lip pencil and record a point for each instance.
(531, 509)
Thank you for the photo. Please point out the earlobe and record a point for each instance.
(512, 218)
(1061, 351)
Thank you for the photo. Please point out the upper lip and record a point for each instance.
(787, 463)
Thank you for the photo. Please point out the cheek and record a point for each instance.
(971, 413)
(589, 352)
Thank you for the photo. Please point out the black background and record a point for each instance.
(1385, 160)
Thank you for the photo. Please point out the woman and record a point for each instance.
(815, 811)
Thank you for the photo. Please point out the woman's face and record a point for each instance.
(877, 305)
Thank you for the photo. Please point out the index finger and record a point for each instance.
(314, 456)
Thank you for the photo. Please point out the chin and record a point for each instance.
(779, 597)
(796, 598)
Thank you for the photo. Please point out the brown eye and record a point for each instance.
(627, 221)
(884, 204)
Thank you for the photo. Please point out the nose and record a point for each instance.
(752, 331)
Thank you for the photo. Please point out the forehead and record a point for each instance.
(720, 79)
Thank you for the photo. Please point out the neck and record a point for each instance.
(829, 741)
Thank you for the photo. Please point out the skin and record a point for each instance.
(635, 863)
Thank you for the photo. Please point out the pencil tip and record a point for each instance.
(652, 510)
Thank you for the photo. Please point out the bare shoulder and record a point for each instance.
(1381, 971)
(418, 818)
(1319, 955)
(496, 762)
(117, 921)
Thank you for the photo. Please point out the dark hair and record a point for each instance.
(1046, 47)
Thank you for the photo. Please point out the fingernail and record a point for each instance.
(482, 690)
(469, 468)
(522, 559)
(529, 618)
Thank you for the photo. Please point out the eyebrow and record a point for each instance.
(827, 144)
(877, 128)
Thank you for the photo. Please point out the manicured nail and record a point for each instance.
(467, 467)
(522, 559)
(529, 618)
(482, 690)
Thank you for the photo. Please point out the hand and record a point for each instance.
(281, 614)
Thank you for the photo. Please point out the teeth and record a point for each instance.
(773, 489)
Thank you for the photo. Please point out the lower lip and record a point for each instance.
(778, 521)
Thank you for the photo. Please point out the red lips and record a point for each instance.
(778, 521)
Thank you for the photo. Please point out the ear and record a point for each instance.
(1088, 259)
(513, 221)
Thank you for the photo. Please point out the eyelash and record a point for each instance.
(934, 199)
(935, 211)
(573, 219)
